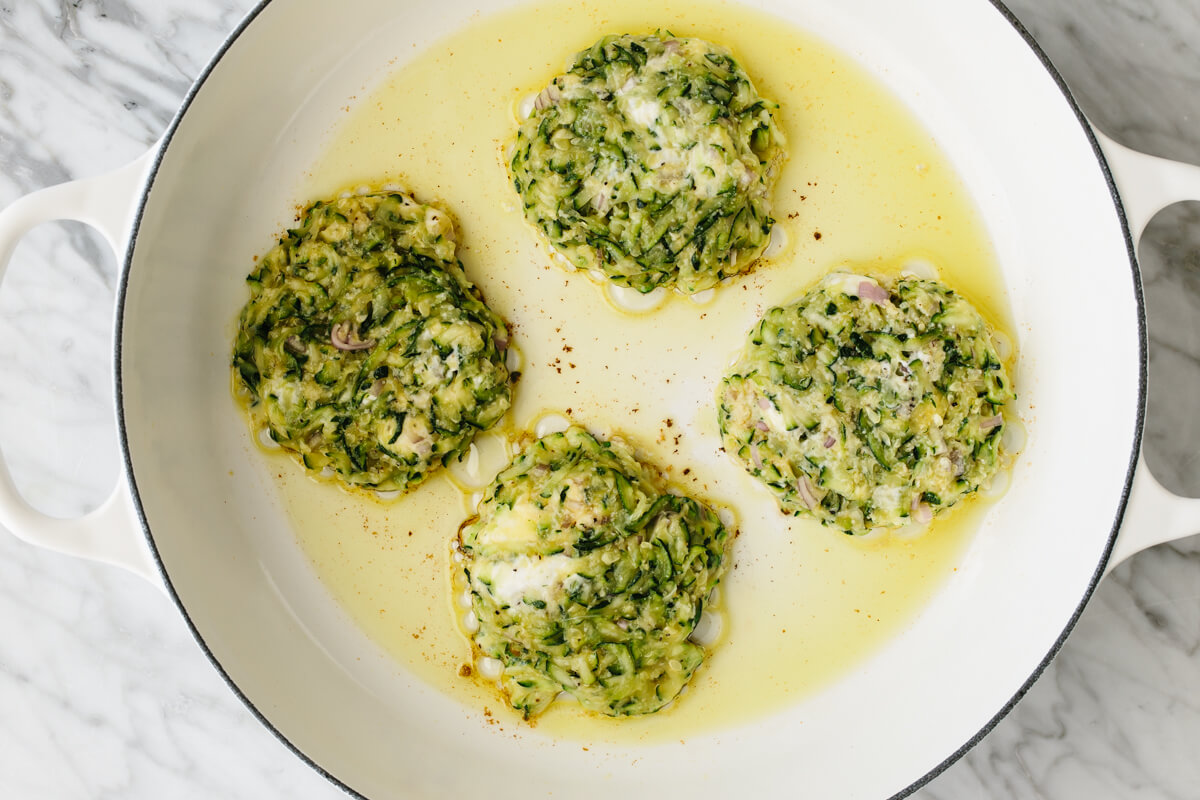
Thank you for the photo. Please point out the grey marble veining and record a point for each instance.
(103, 693)
(1170, 261)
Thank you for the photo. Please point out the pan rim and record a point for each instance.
(128, 467)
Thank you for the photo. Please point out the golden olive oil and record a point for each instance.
(864, 187)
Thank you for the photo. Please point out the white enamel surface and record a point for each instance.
(273, 630)
(105, 694)
(110, 533)
(1147, 183)
(1156, 515)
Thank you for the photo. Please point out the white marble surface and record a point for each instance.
(103, 693)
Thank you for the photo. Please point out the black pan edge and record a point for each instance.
(119, 327)
(1143, 365)
(119, 323)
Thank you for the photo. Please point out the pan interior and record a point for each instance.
(228, 181)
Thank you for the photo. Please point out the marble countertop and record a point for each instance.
(103, 692)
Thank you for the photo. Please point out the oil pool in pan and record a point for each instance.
(864, 186)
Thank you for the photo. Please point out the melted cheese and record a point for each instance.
(513, 528)
(533, 577)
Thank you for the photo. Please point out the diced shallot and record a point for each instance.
(755, 457)
(873, 293)
(808, 494)
(422, 447)
(923, 513)
(341, 336)
(829, 441)
(548, 97)
(762, 426)
(991, 422)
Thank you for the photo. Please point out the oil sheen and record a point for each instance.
(864, 188)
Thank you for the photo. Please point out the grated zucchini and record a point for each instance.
(868, 403)
(364, 349)
(651, 160)
(587, 576)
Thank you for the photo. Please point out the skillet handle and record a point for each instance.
(1147, 185)
(112, 533)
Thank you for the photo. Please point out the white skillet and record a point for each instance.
(223, 554)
